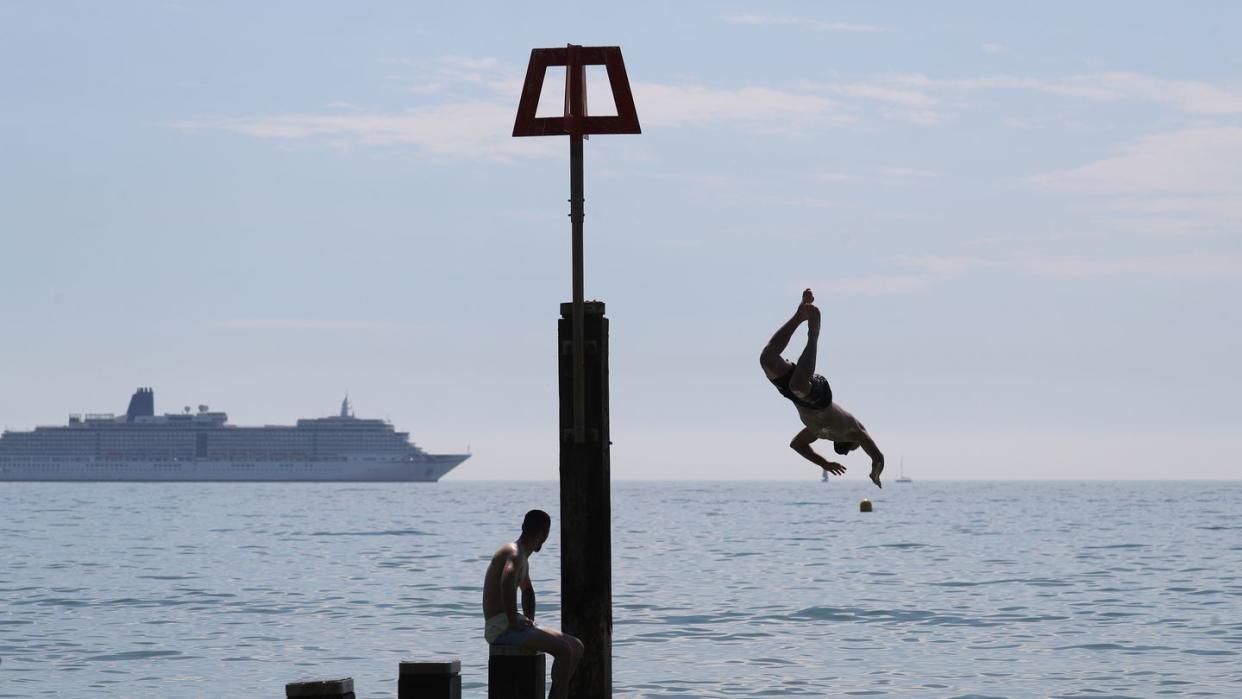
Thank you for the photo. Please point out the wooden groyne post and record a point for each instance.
(514, 672)
(342, 688)
(582, 356)
(439, 679)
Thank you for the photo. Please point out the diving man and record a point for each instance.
(812, 396)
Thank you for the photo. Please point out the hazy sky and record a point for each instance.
(1023, 226)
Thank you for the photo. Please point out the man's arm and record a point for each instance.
(868, 445)
(877, 458)
(528, 599)
(802, 444)
(508, 592)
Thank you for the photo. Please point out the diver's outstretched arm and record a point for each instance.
(801, 443)
(877, 457)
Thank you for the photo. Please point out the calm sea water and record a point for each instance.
(720, 590)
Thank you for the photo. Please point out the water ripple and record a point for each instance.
(719, 590)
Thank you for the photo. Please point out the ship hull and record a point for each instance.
(199, 471)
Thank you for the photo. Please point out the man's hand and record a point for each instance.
(834, 468)
(877, 467)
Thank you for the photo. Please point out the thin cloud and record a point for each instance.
(787, 202)
(940, 266)
(878, 284)
(1067, 88)
(473, 130)
(1186, 265)
(697, 105)
(477, 98)
(306, 324)
(908, 173)
(1201, 160)
(929, 271)
(1219, 207)
(477, 126)
(835, 177)
(901, 103)
(901, 97)
(1192, 96)
(462, 74)
(1182, 183)
(802, 22)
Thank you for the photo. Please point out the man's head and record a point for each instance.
(535, 528)
(844, 448)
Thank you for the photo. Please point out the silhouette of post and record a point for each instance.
(582, 341)
(586, 507)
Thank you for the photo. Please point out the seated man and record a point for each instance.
(812, 396)
(508, 571)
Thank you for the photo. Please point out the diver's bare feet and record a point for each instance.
(807, 308)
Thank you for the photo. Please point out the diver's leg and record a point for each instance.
(800, 382)
(770, 359)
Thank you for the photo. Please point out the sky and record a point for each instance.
(1022, 224)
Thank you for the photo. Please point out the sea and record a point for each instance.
(758, 589)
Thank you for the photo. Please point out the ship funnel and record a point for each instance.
(142, 404)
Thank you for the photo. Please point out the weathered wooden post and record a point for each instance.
(586, 508)
(514, 672)
(321, 689)
(582, 349)
(429, 680)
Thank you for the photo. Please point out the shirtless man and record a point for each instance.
(812, 396)
(507, 572)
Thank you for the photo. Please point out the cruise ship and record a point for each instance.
(202, 446)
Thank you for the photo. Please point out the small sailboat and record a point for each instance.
(902, 478)
(824, 477)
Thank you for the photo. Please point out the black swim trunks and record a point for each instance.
(821, 392)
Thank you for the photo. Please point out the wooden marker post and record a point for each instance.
(586, 502)
(582, 342)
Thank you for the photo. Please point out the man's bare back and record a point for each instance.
(494, 602)
(833, 423)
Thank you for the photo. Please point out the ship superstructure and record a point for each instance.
(202, 446)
